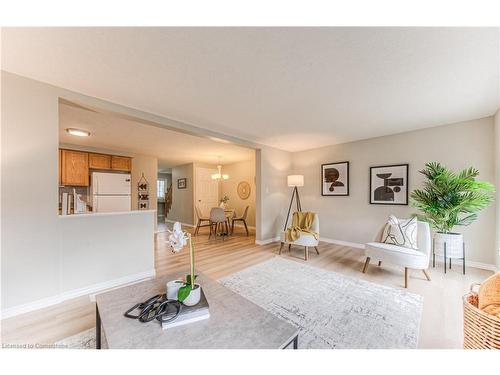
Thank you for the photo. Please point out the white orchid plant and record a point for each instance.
(177, 240)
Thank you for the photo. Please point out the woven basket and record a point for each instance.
(481, 330)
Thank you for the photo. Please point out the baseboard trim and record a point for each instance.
(458, 263)
(185, 224)
(90, 290)
(268, 241)
(342, 243)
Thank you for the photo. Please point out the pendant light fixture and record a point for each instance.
(219, 175)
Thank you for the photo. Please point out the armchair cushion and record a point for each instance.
(402, 232)
(396, 255)
(305, 239)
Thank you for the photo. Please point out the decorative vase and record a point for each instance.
(194, 296)
(173, 288)
(454, 244)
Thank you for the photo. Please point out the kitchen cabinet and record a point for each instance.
(59, 162)
(121, 163)
(74, 168)
(99, 161)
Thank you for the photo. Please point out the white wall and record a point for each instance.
(30, 226)
(34, 248)
(353, 219)
(98, 248)
(238, 172)
(273, 195)
(182, 199)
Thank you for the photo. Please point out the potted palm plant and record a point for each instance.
(449, 199)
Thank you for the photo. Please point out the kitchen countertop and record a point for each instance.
(89, 214)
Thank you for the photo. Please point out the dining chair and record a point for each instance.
(201, 220)
(217, 221)
(242, 218)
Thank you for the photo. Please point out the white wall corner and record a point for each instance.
(90, 290)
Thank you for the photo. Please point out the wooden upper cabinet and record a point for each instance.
(121, 163)
(59, 166)
(74, 168)
(99, 161)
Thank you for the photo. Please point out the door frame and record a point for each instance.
(195, 188)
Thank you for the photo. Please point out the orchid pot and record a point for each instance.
(185, 291)
(194, 296)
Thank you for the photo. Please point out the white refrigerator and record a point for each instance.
(110, 192)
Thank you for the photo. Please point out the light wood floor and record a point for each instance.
(441, 325)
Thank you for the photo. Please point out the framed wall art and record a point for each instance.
(181, 183)
(335, 179)
(389, 184)
(243, 190)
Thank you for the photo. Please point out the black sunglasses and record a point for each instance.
(157, 307)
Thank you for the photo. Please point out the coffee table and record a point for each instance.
(234, 323)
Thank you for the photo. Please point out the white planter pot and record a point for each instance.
(454, 244)
(194, 296)
(173, 288)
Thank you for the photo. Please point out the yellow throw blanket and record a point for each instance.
(301, 223)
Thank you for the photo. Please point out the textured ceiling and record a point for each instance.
(291, 88)
(170, 147)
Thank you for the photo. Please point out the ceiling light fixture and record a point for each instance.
(78, 132)
(219, 175)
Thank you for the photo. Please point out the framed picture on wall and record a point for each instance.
(181, 183)
(335, 179)
(389, 184)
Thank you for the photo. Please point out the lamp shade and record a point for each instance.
(295, 180)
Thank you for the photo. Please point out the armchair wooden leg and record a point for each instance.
(281, 247)
(407, 275)
(246, 228)
(306, 253)
(426, 275)
(366, 264)
(316, 248)
(379, 263)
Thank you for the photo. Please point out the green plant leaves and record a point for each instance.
(183, 292)
(450, 199)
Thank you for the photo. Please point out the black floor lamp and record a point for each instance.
(294, 180)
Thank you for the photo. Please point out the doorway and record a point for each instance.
(206, 190)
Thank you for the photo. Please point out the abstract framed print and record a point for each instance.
(389, 184)
(335, 179)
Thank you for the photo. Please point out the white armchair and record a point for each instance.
(307, 240)
(403, 256)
